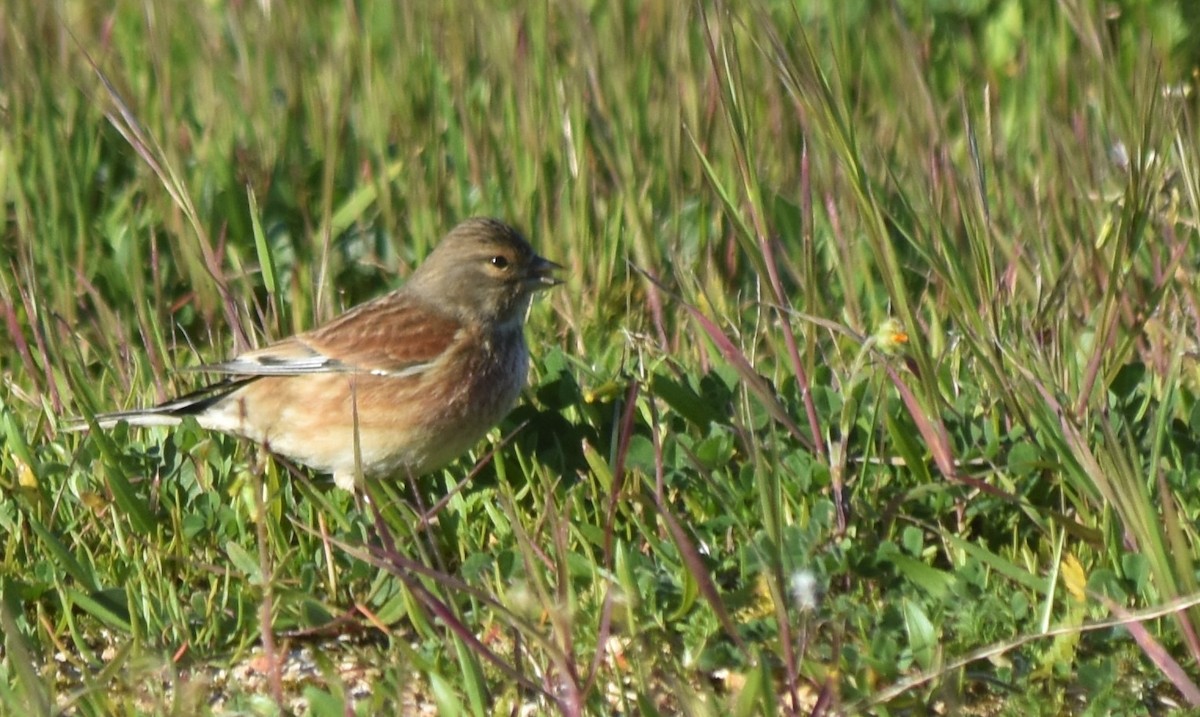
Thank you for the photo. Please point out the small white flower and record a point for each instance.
(804, 590)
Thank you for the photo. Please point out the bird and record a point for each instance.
(406, 382)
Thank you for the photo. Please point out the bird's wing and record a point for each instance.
(289, 357)
(391, 336)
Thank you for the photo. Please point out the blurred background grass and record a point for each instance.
(1014, 182)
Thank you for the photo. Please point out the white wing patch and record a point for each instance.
(269, 365)
(411, 370)
(294, 358)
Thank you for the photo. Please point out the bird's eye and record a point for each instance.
(500, 262)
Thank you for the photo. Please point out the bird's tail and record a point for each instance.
(170, 413)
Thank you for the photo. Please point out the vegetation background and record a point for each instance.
(733, 486)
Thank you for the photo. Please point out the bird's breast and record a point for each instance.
(485, 377)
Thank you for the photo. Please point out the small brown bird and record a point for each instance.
(419, 374)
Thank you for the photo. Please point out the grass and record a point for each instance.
(733, 487)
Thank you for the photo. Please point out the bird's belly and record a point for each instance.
(402, 424)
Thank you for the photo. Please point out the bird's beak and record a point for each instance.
(541, 274)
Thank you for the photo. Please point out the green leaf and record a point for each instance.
(684, 400)
(1129, 377)
(16, 438)
(913, 539)
(107, 606)
(599, 466)
(690, 590)
(62, 555)
(1023, 459)
(130, 502)
(933, 581)
(325, 704)
(19, 654)
(997, 563)
(448, 701)
(244, 561)
(922, 636)
(266, 261)
(903, 437)
(314, 614)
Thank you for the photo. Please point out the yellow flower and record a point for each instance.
(890, 337)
